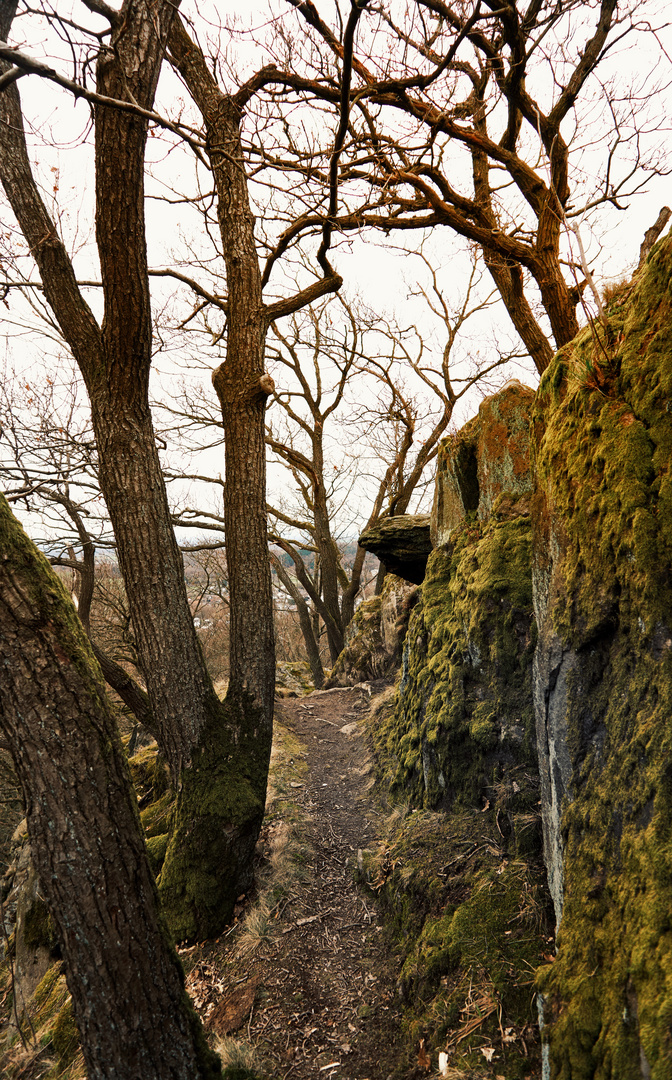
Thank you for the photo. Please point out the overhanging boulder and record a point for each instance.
(402, 544)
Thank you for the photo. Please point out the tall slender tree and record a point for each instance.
(218, 753)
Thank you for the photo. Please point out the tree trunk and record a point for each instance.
(329, 567)
(238, 749)
(509, 281)
(124, 976)
(221, 794)
(556, 298)
(309, 639)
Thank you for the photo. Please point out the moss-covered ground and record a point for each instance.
(604, 449)
(469, 923)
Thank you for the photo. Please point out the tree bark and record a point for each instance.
(221, 795)
(125, 979)
(243, 389)
(309, 639)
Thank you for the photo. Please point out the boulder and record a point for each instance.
(488, 458)
(464, 716)
(374, 638)
(402, 544)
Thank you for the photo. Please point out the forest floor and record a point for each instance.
(303, 985)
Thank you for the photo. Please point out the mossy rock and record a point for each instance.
(156, 818)
(603, 579)
(65, 1036)
(464, 717)
(53, 1020)
(38, 926)
(294, 676)
(156, 849)
(238, 1072)
(149, 772)
(487, 458)
(468, 926)
(363, 656)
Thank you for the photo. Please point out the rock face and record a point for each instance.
(464, 706)
(465, 887)
(488, 457)
(402, 544)
(603, 685)
(375, 636)
(589, 578)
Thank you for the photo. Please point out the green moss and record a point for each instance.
(50, 995)
(238, 1072)
(46, 599)
(157, 816)
(65, 1036)
(464, 714)
(216, 822)
(149, 772)
(468, 926)
(38, 927)
(156, 849)
(363, 655)
(604, 448)
(53, 1020)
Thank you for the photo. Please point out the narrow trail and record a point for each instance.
(319, 999)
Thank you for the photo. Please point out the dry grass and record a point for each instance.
(238, 1054)
(285, 839)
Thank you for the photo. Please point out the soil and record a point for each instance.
(319, 999)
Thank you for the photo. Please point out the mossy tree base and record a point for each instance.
(216, 823)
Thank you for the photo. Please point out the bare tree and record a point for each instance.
(218, 753)
(469, 116)
(398, 397)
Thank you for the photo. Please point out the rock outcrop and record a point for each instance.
(488, 457)
(402, 544)
(375, 636)
(465, 888)
(603, 684)
(569, 561)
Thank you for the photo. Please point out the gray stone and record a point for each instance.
(402, 544)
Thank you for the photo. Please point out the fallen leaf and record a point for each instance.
(488, 1052)
(423, 1058)
(231, 1012)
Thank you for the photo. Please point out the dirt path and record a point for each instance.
(318, 999)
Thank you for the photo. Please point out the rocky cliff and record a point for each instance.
(462, 877)
(603, 684)
(547, 604)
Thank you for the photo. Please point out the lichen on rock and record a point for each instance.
(488, 457)
(374, 638)
(464, 708)
(603, 684)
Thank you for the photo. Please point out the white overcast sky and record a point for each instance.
(381, 275)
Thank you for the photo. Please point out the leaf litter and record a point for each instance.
(303, 985)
